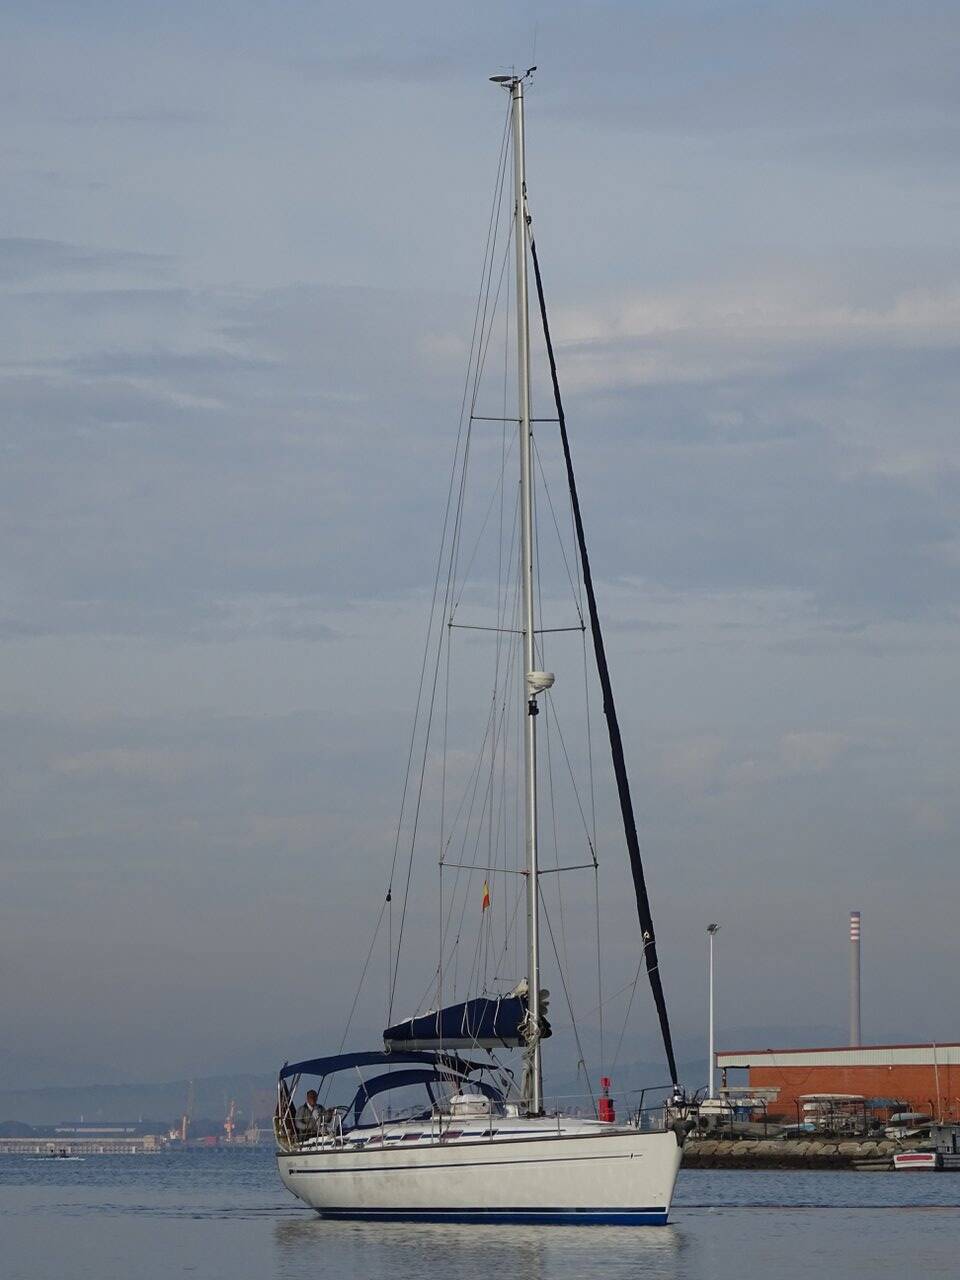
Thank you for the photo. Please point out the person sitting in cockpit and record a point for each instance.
(310, 1116)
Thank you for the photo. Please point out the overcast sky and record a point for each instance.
(238, 250)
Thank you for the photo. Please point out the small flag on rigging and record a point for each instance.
(486, 896)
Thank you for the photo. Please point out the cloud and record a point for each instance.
(812, 750)
(697, 70)
(708, 764)
(25, 259)
(170, 458)
(746, 330)
(232, 361)
(384, 66)
(157, 115)
(137, 764)
(799, 754)
(931, 818)
(693, 762)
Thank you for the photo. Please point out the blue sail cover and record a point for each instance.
(482, 1023)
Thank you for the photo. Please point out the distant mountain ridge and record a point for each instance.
(255, 1091)
(160, 1102)
(45, 1071)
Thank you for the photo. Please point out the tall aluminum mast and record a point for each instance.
(533, 1076)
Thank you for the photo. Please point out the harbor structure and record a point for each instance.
(855, 978)
(925, 1078)
(712, 930)
(107, 1139)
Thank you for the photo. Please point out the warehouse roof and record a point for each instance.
(877, 1055)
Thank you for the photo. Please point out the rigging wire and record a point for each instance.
(541, 644)
(480, 311)
(512, 650)
(503, 593)
(573, 782)
(607, 1000)
(486, 333)
(556, 525)
(610, 711)
(476, 546)
(363, 974)
(582, 1061)
(556, 838)
(626, 1016)
(488, 314)
(482, 809)
(471, 785)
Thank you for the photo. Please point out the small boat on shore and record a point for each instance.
(916, 1160)
(904, 1125)
(941, 1151)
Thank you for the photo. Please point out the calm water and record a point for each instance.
(219, 1214)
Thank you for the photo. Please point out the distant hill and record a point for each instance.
(44, 1071)
(255, 1092)
(165, 1102)
(16, 1129)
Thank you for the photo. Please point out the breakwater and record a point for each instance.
(778, 1153)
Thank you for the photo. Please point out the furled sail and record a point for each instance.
(609, 708)
(482, 1023)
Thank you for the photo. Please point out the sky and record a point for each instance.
(239, 251)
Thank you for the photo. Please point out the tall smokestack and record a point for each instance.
(855, 977)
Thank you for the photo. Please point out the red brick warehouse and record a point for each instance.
(924, 1076)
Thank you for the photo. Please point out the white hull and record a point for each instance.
(612, 1176)
(916, 1160)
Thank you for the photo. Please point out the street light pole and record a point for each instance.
(712, 930)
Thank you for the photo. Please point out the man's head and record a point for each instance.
(311, 1097)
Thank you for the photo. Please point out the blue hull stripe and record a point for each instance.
(646, 1217)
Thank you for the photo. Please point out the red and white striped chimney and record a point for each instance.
(855, 977)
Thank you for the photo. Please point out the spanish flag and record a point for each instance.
(486, 896)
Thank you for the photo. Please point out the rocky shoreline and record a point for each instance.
(777, 1153)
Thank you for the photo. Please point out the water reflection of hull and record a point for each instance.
(309, 1245)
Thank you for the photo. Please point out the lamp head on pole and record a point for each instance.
(712, 929)
(511, 81)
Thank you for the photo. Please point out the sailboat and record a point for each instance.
(479, 1146)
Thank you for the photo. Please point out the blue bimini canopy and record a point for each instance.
(482, 1023)
(413, 1075)
(381, 1058)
